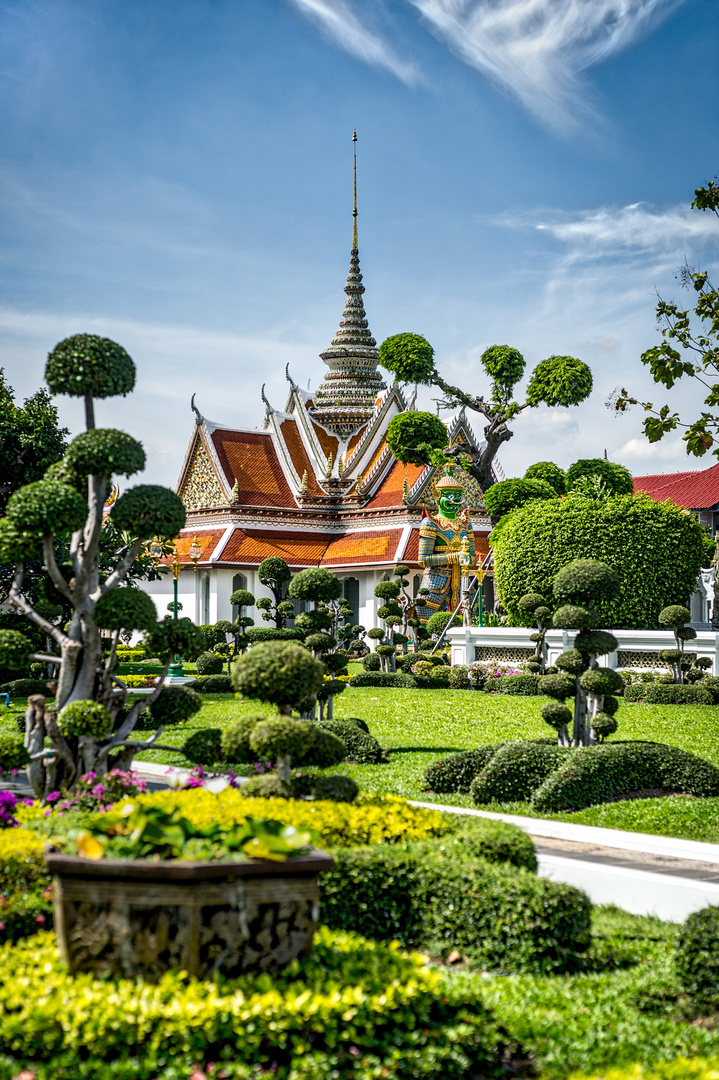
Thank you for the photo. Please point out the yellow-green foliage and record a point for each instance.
(354, 1009)
(21, 861)
(373, 819)
(680, 1069)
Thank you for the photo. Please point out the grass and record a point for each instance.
(418, 727)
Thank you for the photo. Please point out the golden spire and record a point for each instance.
(354, 210)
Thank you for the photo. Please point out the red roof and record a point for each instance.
(251, 546)
(363, 546)
(391, 490)
(697, 490)
(249, 458)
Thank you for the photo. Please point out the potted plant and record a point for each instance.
(141, 890)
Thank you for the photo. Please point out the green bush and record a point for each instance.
(596, 774)
(431, 682)
(456, 773)
(360, 745)
(279, 672)
(697, 956)
(235, 739)
(174, 704)
(24, 688)
(495, 841)
(423, 896)
(204, 747)
(516, 771)
(407, 1020)
(88, 364)
(603, 725)
(405, 663)
(550, 473)
(383, 678)
(330, 788)
(524, 685)
(126, 608)
(656, 549)
(509, 494)
(669, 694)
(104, 452)
(616, 478)
(210, 663)
(371, 662)
(83, 718)
(149, 510)
(267, 786)
(215, 684)
(13, 754)
(328, 746)
(264, 634)
(281, 735)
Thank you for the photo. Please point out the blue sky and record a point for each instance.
(177, 176)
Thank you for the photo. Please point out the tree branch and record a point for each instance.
(131, 719)
(53, 569)
(19, 601)
(122, 567)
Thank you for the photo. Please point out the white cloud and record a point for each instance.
(642, 450)
(637, 227)
(535, 48)
(343, 25)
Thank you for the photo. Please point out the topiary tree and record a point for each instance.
(616, 479)
(71, 500)
(657, 549)
(535, 605)
(274, 573)
(548, 472)
(676, 616)
(558, 380)
(241, 598)
(578, 585)
(392, 615)
(322, 589)
(284, 674)
(414, 436)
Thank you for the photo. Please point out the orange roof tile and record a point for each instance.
(362, 547)
(392, 487)
(356, 438)
(298, 454)
(328, 442)
(296, 548)
(208, 541)
(249, 458)
(411, 552)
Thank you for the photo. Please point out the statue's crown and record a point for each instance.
(448, 481)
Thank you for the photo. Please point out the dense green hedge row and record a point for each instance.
(456, 772)
(656, 693)
(449, 899)
(515, 772)
(599, 773)
(354, 1010)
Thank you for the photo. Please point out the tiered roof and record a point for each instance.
(695, 490)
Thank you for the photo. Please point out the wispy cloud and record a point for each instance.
(535, 49)
(340, 22)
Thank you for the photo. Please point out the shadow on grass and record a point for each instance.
(424, 750)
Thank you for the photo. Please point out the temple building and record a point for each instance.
(315, 484)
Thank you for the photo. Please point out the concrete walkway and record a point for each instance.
(643, 874)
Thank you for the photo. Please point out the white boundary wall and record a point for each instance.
(464, 641)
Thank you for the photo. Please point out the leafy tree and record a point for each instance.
(241, 598)
(534, 605)
(414, 436)
(656, 548)
(558, 380)
(689, 348)
(36, 515)
(323, 590)
(31, 439)
(510, 494)
(615, 479)
(676, 617)
(550, 473)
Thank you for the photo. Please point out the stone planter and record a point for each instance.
(142, 918)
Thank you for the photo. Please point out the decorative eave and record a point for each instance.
(375, 429)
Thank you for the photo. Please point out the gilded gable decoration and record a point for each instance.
(201, 488)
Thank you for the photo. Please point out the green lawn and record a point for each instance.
(419, 726)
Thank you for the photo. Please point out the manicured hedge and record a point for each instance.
(526, 685)
(214, 684)
(499, 916)
(456, 773)
(353, 1010)
(24, 688)
(384, 678)
(361, 746)
(485, 838)
(516, 771)
(655, 693)
(697, 956)
(598, 773)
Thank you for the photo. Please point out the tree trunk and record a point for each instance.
(283, 768)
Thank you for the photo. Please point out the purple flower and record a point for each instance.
(98, 790)
(53, 796)
(28, 802)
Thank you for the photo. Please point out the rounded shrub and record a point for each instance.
(280, 672)
(571, 661)
(674, 615)
(603, 725)
(204, 747)
(384, 678)
(585, 581)
(371, 662)
(280, 736)
(61, 472)
(360, 745)
(560, 380)
(170, 637)
(411, 436)
(149, 510)
(105, 452)
(515, 772)
(327, 748)
(672, 694)
(267, 786)
(215, 684)
(125, 608)
(209, 663)
(505, 366)
(616, 478)
(697, 956)
(611, 704)
(13, 754)
(236, 739)
(557, 686)
(456, 773)
(174, 704)
(458, 677)
(14, 649)
(315, 583)
(573, 617)
(83, 718)
(556, 714)
(264, 634)
(655, 548)
(524, 685)
(85, 364)
(409, 357)
(510, 494)
(595, 641)
(24, 688)
(47, 507)
(484, 838)
(550, 473)
(326, 788)
(601, 681)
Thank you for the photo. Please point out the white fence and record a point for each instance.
(511, 644)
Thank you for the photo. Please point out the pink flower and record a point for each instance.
(98, 790)
(28, 802)
(40, 919)
(2, 925)
(53, 796)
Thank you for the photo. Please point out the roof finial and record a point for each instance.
(354, 208)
